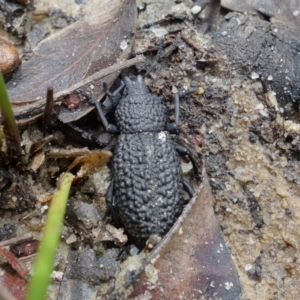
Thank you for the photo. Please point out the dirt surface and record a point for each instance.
(251, 156)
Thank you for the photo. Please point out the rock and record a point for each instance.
(254, 46)
(9, 57)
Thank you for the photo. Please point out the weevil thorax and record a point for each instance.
(140, 111)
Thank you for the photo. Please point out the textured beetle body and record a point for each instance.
(146, 193)
(148, 182)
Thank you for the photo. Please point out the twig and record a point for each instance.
(185, 35)
(101, 74)
(29, 120)
(206, 56)
(14, 262)
(17, 240)
(48, 108)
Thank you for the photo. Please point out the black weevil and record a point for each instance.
(146, 192)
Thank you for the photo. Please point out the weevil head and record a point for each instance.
(136, 87)
(140, 111)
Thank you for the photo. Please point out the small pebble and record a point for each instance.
(259, 106)
(296, 13)
(123, 45)
(159, 32)
(228, 285)
(9, 57)
(208, 95)
(253, 138)
(71, 239)
(174, 90)
(248, 267)
(254, 75)
(196, 9)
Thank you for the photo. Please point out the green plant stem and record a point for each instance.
(8, 115)
(43, 265)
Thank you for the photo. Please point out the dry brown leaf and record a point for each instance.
(46, 198)
(90, 163)
(37, 160)
(24, 249)
(12, 284)
(110, 233)
(117, 234)
(14, 262)
(102, 38)
(37, 146)
(194, 262)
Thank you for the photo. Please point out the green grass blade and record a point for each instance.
(8, 115)
(44, 261)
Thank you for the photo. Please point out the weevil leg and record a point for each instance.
(188, 188)
(174, 127)
(116, 92)
(110, 203)
(157, 57)
(115, 96)
(87, 97)
(184, 151)
(109, 127)
(110, 195)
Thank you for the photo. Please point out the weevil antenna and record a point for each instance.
(157, 57)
